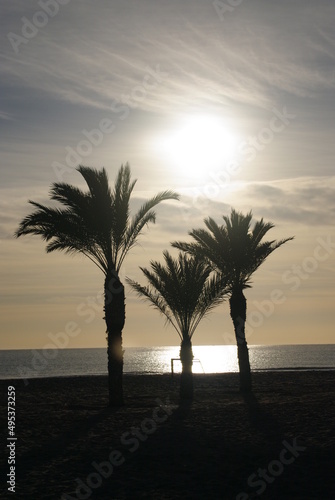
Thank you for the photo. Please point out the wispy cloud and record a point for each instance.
(309, 201)
(6, 116)
(207, 61)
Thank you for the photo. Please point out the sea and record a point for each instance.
(37, 363)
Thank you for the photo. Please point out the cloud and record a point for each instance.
(308, 201)
(6, 116)
(248, 58)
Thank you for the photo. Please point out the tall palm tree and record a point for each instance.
(184, 290)
(236, 251)
(97, 224)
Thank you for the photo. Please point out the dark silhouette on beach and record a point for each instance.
(235, 251)
(96, 223)
(184, 290)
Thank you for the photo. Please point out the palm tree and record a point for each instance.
(235, 251)
(184, 290)
(97, 224)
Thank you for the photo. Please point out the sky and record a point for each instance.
(229, 103)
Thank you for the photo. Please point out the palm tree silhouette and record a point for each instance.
(184, 290)
(235, 251)
(97, 224)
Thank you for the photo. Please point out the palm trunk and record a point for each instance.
(238, 313)
(115, 319)
(186, 379)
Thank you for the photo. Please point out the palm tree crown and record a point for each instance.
(234, 249)
(183, 290)
(95, 223)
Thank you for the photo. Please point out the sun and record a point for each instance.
(199, 145)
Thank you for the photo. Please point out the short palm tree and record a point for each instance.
(235, 251)
(97, 224)
(184, 290)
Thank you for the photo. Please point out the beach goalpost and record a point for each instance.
(195, 360)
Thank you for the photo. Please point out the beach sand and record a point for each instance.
(280, 440)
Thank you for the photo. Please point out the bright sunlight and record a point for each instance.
(201, 144)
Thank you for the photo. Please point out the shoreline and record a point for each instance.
(207, 449)
(139, 374)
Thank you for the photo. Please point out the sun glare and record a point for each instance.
(199, 145)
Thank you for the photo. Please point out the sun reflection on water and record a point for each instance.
(207, 359)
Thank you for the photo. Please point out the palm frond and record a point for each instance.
(97, 182)
(156, 301)
(259, 231)
(144, 215)
(213, 294)
(121, 196)
(70, 196)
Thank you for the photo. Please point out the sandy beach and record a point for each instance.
(278, 443)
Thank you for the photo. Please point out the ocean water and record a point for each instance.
(27, 364)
